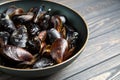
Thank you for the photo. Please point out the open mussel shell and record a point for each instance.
(16, 53)
(19, 37)
(59, 50)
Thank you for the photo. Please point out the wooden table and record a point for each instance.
(101, 58)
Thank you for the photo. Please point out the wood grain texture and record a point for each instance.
(102, 52)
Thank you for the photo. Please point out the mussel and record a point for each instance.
(44, 62)
(34, 10)
(7, 24)
(10, 10)
(5, 37)
(15, 53)
(23, 18)
(46, 50)
(33, 29)
(53, 34)
(63, 19)
(18, 11)
(59, 50)
(33, 45)
(45, 21)
(71, 36)
(40, 14)
(13, 10)
(2, 15)
(42, 35)
(57, 23)
(19, 37)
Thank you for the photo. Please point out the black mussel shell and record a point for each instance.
(2, 15)
(7, 24)
(33, 29)
(16, 53)
(43, 62)
(1, 61)
(34, 10)
(40, 14)
(57, 23)
(33, 45)
(5, 37)
(53, 34)
(23, 18)
(44, 24)
(19, 37)
(71, 36)
(18, 11)
(9, 11)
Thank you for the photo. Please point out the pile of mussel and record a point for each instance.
(36, 38)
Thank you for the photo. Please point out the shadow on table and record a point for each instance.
(4, 76)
